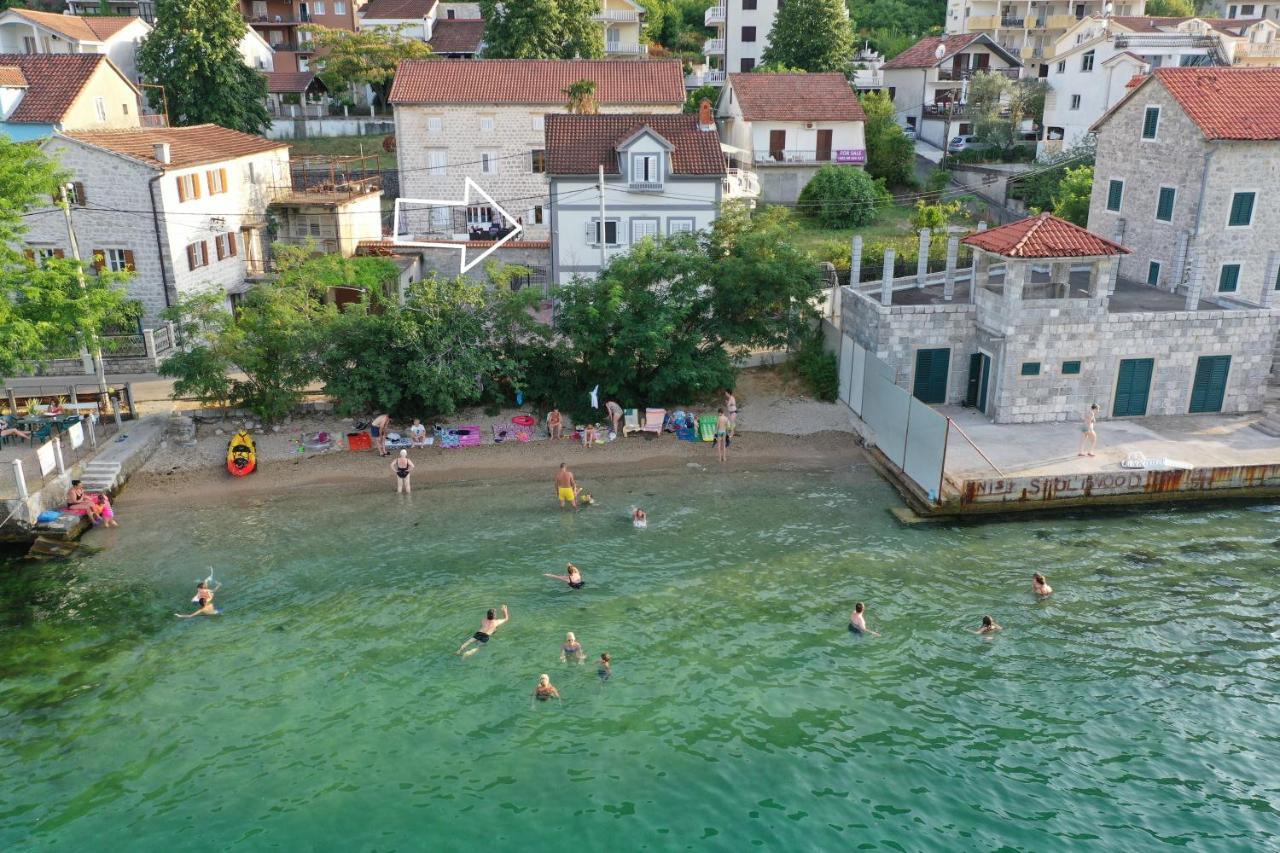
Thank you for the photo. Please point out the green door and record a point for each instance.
(1133, 387)
(931, 375)
(1211, 383)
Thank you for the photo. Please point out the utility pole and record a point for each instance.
(604, 255)
(98, 366)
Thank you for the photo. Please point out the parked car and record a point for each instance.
(965, 142)
(909, 133)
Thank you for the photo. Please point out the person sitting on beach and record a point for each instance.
(589, 435)
(378, 428)
(418, 434)
(545, 689)
(403, 467)
(79, 503)
(555, 424)
(1039, 585)
(858, 622)
(7, 431)
(566, 486)
(639, 518)
(204, 598)
(573, 579)
(604, 667)
(571, 649)
(488, 625)
(989, 626)
(103, 503)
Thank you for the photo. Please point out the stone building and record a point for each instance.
(1040, 327)
(184, 208)
(484, 119)
(1188, 164)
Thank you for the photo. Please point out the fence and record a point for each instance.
(39, 463)
(908, 432)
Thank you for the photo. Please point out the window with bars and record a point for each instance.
(435, 124)
(1164, 204)
(1241, 210)
(1115, 195)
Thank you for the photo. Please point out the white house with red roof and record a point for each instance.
(787, 126)
(31, 31)
(484, 119)
(1035, 325)
(1187, 171)
(929, 82)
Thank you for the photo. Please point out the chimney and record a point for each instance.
(706, 121)
(162, 152)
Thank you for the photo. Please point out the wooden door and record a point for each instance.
(824, 146)
(777, 144)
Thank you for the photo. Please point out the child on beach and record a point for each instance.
(589, 435)
(104, 507)
(418, 434)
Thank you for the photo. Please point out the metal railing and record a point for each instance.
(95, 435)
(951, 74)
(792, 155)
(710, 77)
(1013, 22)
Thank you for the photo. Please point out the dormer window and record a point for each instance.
(646, 171)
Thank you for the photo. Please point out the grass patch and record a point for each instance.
(811, 237)
(343, 146)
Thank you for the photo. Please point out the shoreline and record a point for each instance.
(160, 480)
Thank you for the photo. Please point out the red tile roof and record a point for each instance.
(54, 81)
(536, 81)
(457, 35)
(1135, 81)
(1043, 236)
(188, 146)
(922, 54)
(11, 77)
(387, 10)
(579, 145)
(1226, 103)
(291, 81)
(796, 97)
(76, 27)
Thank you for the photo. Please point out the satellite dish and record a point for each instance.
(940, 51)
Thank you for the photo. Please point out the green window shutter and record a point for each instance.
(1070, 368)
(1229, 278)
(1133, 386)
(1278, 278)
(1153, 273)
(931, 375)
(1030, 368)
(1150, 123)
(1115, 194)
(1210, 386)
(1164, 207)
(1241, 209)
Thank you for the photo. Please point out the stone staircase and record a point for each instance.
(100, 476)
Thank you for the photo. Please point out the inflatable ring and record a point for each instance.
(523, 420)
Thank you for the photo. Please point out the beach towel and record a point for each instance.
(1137, 459)
(653, 419)
(501, 434)
(707, 427)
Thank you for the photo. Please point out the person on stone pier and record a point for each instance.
(1089, 438)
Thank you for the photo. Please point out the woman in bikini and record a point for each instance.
(204, 597)
(403, 467)
(573, 579)
(572, 649)
(545, 689)
(79, 502)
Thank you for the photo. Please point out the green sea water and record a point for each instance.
(325, 710)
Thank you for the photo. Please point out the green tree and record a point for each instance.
(582, 97)
(777, 68)
(1003, 105)
(1171, 8)
(935, 216)
(891, 157)
(695, 96)
(1071, 201)
(542, 29)
(843, 197)
(194, 53)
(815, 35)
(367, 57)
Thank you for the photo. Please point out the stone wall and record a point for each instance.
(444, 262)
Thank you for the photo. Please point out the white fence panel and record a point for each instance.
(857, 379)
(885, 409)
(846, 368)
(926, 447)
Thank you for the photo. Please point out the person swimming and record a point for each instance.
(639, 518)
(858, 622)
(989, 626)
(488, 625)
(1040, 586)
(571, 649)
(545, 689)
(203, 597)
(573, 579)
(604, 666)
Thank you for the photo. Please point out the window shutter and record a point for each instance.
(29, 254)
(593, 231)
(182, 190)
(195, 186)
(191, 256)
(99, 259)
(223, 174)
(217, 246)
(208, 179)
(58, 253)
(204, 253)
(128, 260)
(231, 243)
(81, 198)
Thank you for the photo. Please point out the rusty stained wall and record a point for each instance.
(1079, 488)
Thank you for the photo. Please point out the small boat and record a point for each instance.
(242, 456)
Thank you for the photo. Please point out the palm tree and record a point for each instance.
(582, 97)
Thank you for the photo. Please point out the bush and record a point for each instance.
(817, 367)
(843, 197)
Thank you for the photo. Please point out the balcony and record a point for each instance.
(153, 120)
(612, 16)
(1059, 22)
(948, 111)
(978, 23)
(292, 47)
(713, 47)
(1256, 50)
(1013, 23)
(739, 183)
(713, 17)
(709, 77)
(793, 156)
(625, 48)
(949, 75)
(645, 186)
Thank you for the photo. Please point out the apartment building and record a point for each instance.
(1187, 166)
(1030, 29)
(1243, 11)
(184, 208)
(742, 33)
(279, 22)
(144, 9)
(42, 93)
(485, 119)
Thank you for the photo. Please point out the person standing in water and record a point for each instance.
(402, 466)
(572, 649)
(566, 486)
(573, 579)
(378, 428)
(1089, 439)
(722, 436)
(858, 622)
(604, 667)
(1040, 586)
(545, 689)
(989, 626)
(488, 625)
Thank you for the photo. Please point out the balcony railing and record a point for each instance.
(1258, 49)
(627, 48)
(292, 47)
(645, 186)
(946, 75)
(739, 183)
(713, 47)
(710, 77)
(153, 120)
(615, 17)
(1013, 23)
(278, 20)
(713, 16)
(782, 156)
(948, 111)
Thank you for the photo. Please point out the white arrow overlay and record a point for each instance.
(468, 186)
